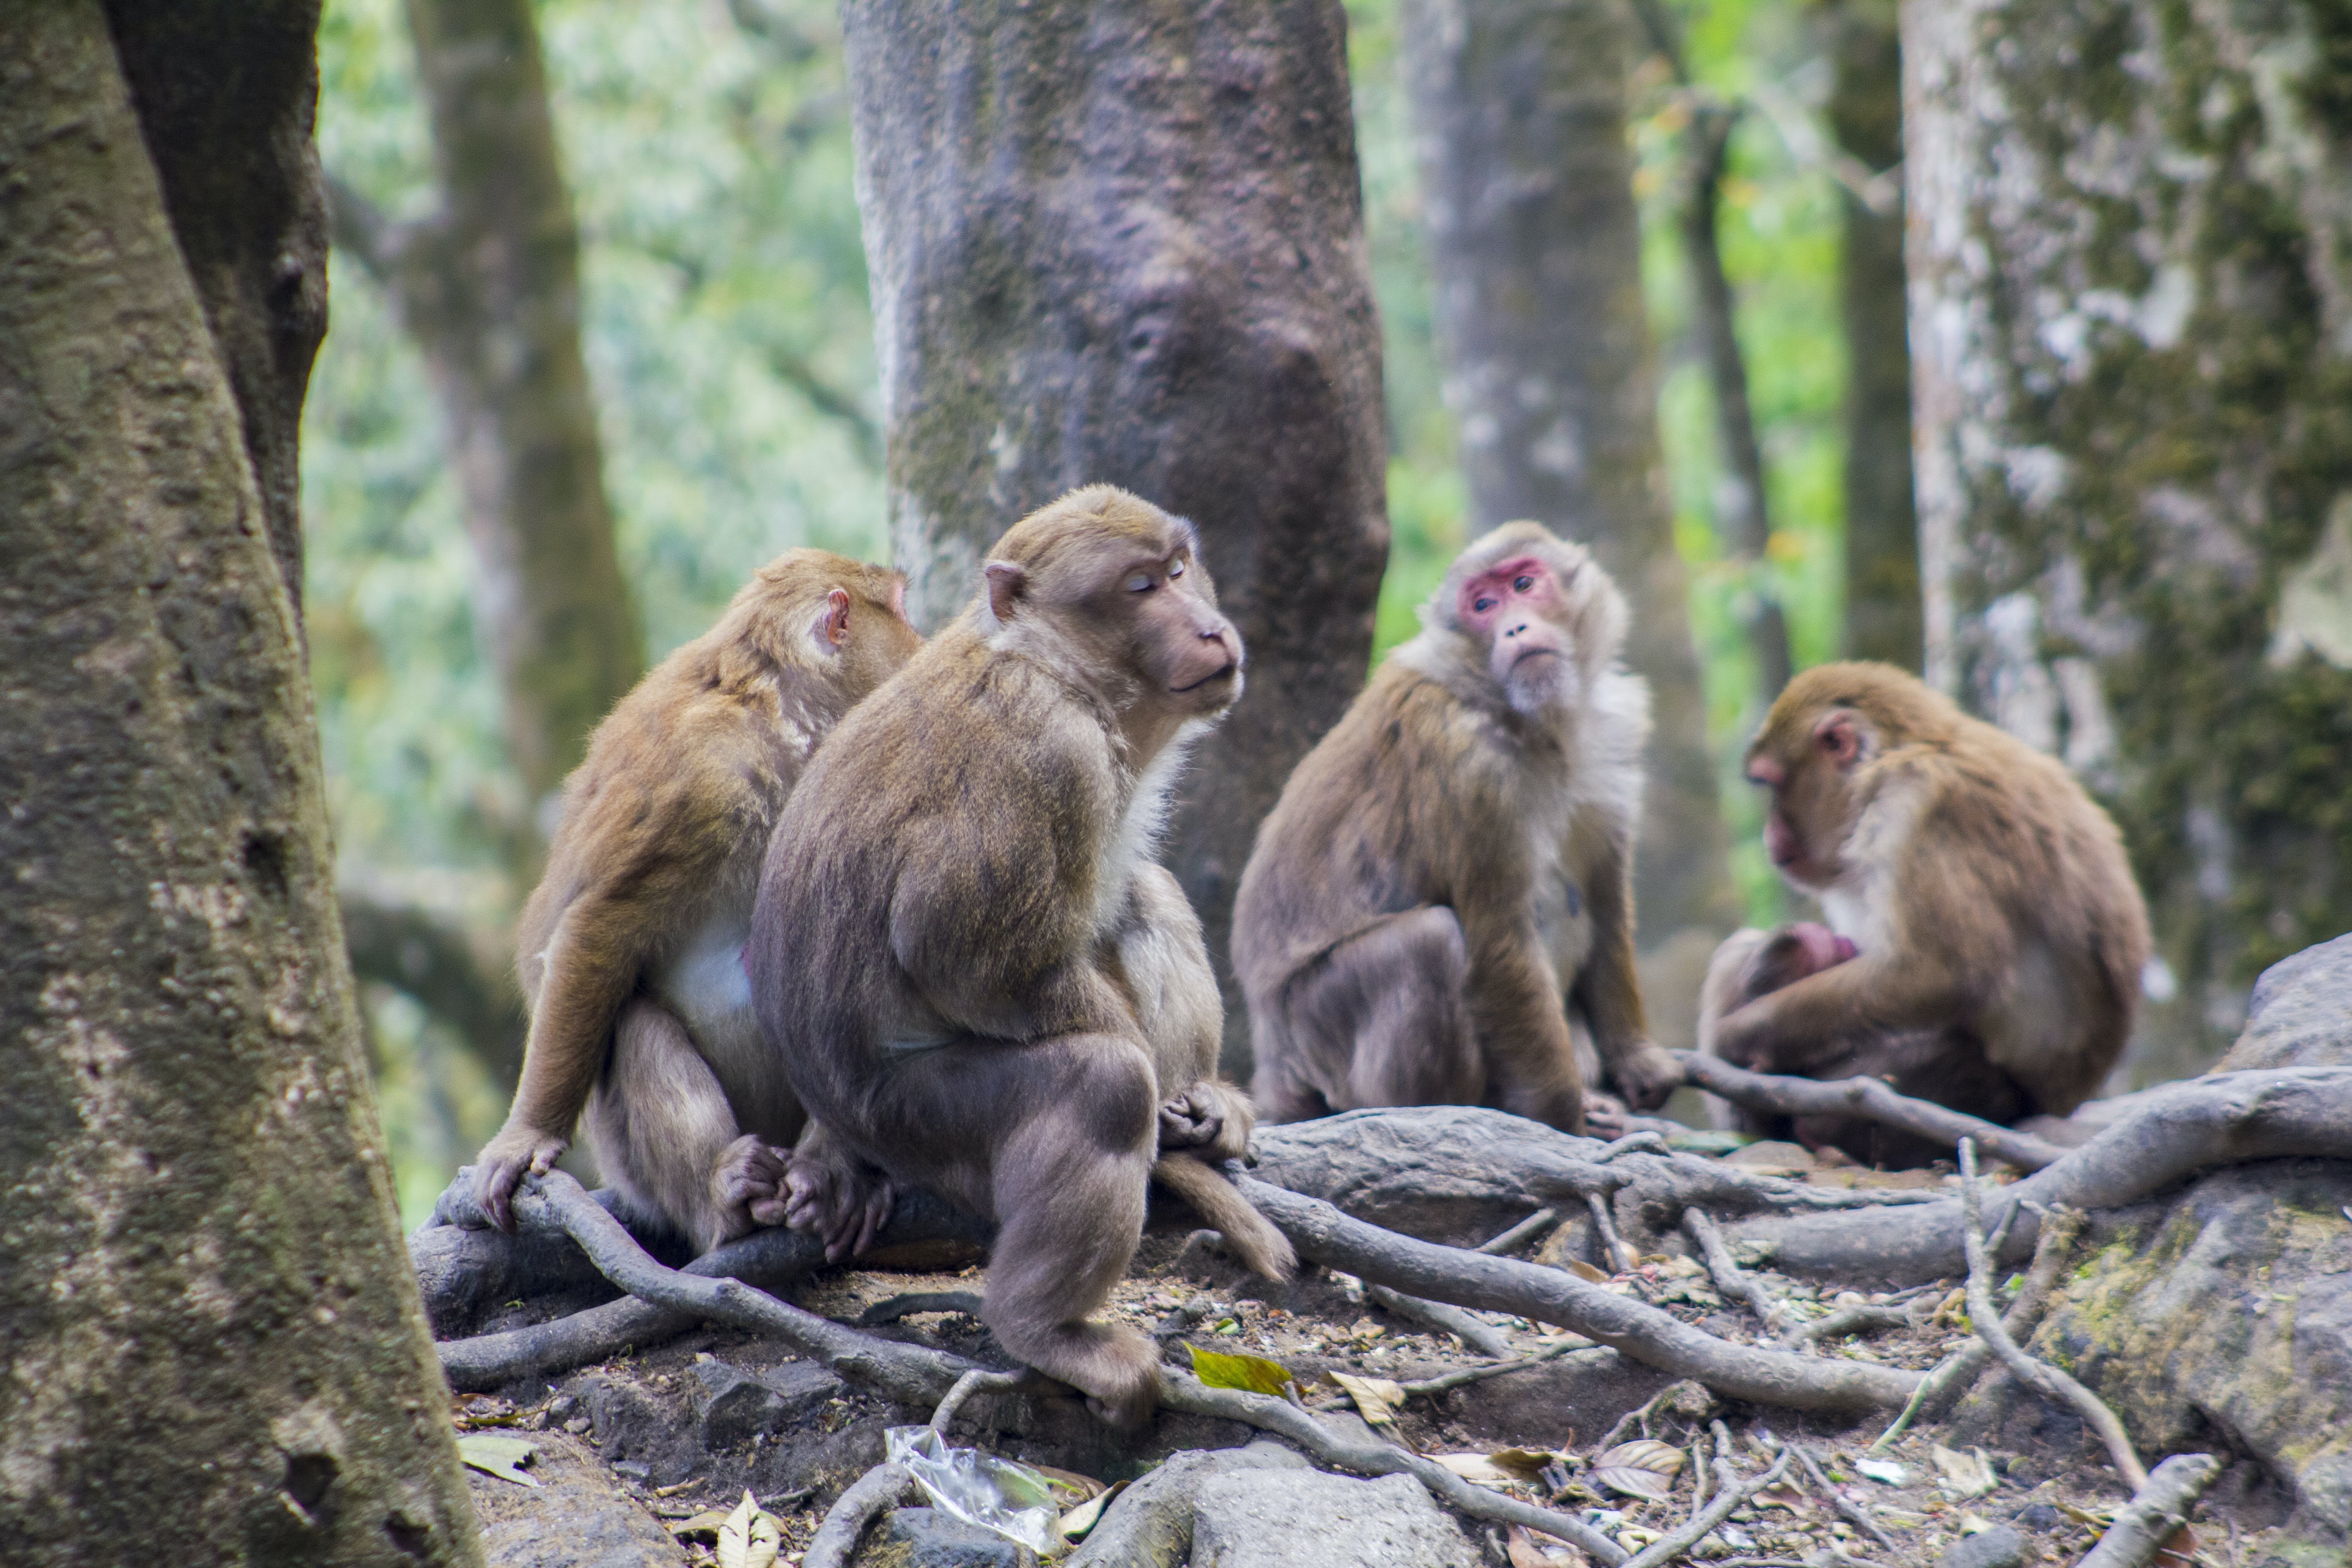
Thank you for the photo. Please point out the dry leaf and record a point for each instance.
(1377, 1399)
(1586, 1272)
(1254, 1373)
(495, 1456)
(1080, 1488)
(1500, 1468)
(1644, 1468)
(2179, 1552)
(749, 1538)
(708, 1522)
(1530, 1551)
(1783, 1496)
(1968, 1475)
(1087, 1515)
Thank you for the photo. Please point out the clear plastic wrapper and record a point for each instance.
(998, 1494)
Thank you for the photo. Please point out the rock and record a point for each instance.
(927, 1538)
(1280, 1518)
(575, 1518)
(2224, 1307)
(1150, 1524)
(1557, 1401)
(2301, 1014)
(732, 1405)
(1451, 1174)
(2038, 1516)
(2000, 1547)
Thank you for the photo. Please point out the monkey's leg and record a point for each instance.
(668, 1139)
(1386, 1018)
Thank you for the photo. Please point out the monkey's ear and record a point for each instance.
(1007, 581)
(1839, 739)
(832, 628)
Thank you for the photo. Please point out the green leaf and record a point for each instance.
(494, 1455)
(1254, 1373)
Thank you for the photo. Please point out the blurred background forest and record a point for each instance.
(732, 379)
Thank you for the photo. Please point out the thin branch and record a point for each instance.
(1482, 1339)
(1621, 1259)
(1539, 1223)
(979, 1379)
(1647, 1334)
(1865, 1097)
(1279, 1417)
(1857, 1517)
(1732, 1282)
(2157, 1511)
(1639, 1416)
(1673, 1544)
(1850, 1320)
(877, 1490)
(2045, 1380)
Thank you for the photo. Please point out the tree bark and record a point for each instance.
(489, 287)
(211, 1320)
(1124, 242)
(2131, 273)
(1882, 527)
(1528, 187)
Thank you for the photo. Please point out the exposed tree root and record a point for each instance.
(2158, 1509)
(1865, 1097)
(1675, 1542)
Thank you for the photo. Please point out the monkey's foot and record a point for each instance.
(1604, 1115)
(1193, 1118)
(834, 1195)
(1645, 1075)
(747, 1183)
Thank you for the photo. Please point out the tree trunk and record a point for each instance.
(1521, 106)
(1124, 242)
(212, 1321)
(1882, 528)
(2132, 295)
(489, 287)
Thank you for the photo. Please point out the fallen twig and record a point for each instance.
(1530, 1290)
(1620, 1259)
(1865, 1097)
(1640, 1415)
(1536, 1223)
(1279, 1417)
(1675, 1542)
(891, 1309)
(1484, 1338)
(1852, 1321)
(1857, 1517)
(2159, 1508)
(1447, 1381)
(905, 1374)
(1730, 1280)
(2045, 1379)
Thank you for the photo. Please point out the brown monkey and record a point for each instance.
(1947, 1066)
(630, 948)
(1450, 868)
(1988, 898)
(977, 978)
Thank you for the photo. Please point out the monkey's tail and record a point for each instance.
(1264, 1249)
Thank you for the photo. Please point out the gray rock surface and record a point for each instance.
(1447, 1173)
(1285, 1518)
(577, 1517)
(2000, 1547)
(732, 1407)
(2301, 1014)
(927, 1538)
(1150, 1524)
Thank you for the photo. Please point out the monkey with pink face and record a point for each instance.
(1441, 901)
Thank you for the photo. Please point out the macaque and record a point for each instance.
(1946, 1066)
(1449, 871)
(976, 976)
(1993, 937)
(632, 946)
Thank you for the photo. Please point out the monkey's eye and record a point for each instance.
(1176, 567)
(1482, 603)
(1520, 584)
(1140, 583)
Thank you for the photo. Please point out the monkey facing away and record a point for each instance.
(1997, 936)
(632, 946)
(1451, 870)
(976, 978)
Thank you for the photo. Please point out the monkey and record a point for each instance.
(631, 946)
(976, 978)
(1450, 870)
(1997, 933)
(1946, 1064)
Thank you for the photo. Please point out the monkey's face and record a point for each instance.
(1178, 641)
(1807, 760)
(1788, 955)
(1527, 617)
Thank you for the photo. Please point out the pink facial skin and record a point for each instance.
(1510, 607)
(1823, 947)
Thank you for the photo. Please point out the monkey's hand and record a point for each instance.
(1645, 1075)
(1193, 1118)
(505, 1160)
(749, 1183)
(830, 1193)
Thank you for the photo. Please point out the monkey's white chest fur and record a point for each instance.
(706, 986)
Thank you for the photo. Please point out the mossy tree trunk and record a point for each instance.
(1528, 183)
(1124, 242)
(2131, 276)
(214, 1337)
(1881, 526)
(489, 287)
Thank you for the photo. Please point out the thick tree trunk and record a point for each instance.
(1528, 182)
(211, 1321)
(489, 287)
(1124, 242)
(2131, 286)
(1882, 528)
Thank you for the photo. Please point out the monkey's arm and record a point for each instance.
(1521, 1023)
(1803, 1026)
(1609, 991)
